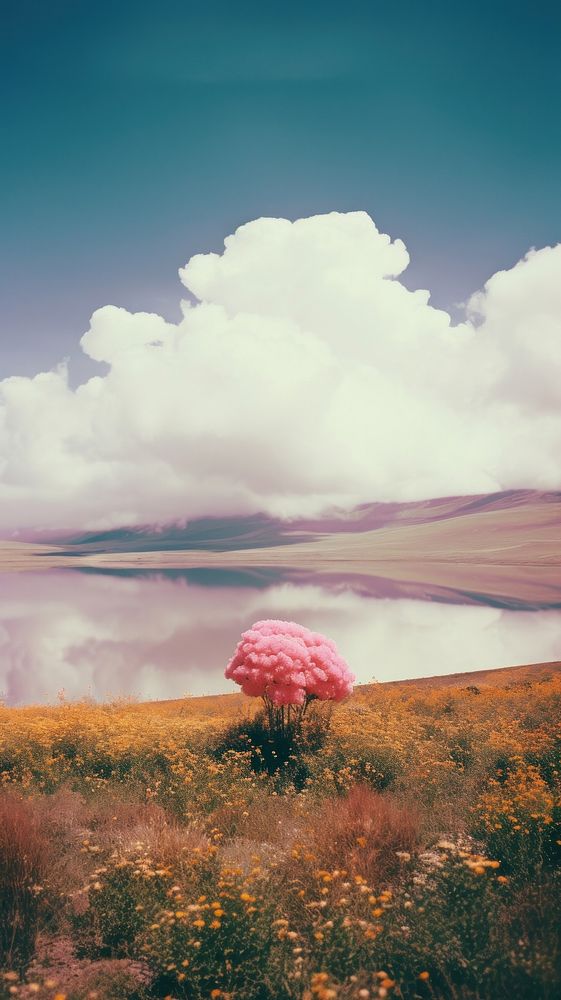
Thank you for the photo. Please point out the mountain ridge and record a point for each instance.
(260, 530)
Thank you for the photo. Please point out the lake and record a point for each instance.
(167, 634)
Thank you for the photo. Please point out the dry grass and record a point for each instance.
(369, 830)
(272, 819)
(57, 970)
(23, 866)
(162, 837)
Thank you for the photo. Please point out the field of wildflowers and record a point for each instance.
(413, 850)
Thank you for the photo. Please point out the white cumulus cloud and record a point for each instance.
(305, 375)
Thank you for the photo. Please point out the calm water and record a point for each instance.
(166, 635)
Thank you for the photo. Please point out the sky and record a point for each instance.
(201, 310)
(135, 135)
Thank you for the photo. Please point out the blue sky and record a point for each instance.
(136, 134)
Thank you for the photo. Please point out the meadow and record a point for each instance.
(411, 850)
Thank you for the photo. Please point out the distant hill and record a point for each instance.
(209, 534)
(502, 549)
(256, 531)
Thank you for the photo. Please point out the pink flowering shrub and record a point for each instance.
(286, 664)
(289, 667)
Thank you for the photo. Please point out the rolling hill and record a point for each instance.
(502, 549)
(236, 533)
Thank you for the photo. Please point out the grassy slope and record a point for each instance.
(227, 706)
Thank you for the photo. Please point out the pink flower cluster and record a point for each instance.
(287, 663)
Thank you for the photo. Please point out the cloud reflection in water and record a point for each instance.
(161, 636)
